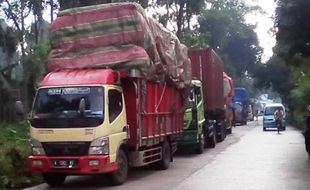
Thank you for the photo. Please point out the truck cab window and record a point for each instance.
(115, 104)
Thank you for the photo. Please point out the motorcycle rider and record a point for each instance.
(278, 116)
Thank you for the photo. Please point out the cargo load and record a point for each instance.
(117, 36)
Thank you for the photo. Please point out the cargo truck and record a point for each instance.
(208, 68)
(205, 116)
(113, 97)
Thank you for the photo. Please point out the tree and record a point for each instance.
(293, 46)
(224, 29)
(17, 12)
(293, 26)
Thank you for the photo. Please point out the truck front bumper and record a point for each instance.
(90, 164)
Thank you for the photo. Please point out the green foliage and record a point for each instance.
(292, 21)
(8, 40)
(15, 148)
(35, 67)
(293, 47)
(275, 74)
(195, 40)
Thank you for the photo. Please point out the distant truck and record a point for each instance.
(104, 105)
(228, 99)
(242, 99)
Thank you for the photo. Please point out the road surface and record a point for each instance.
(247, 159)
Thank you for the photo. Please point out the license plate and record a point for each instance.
(64, 163)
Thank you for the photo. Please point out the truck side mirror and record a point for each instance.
(82, 106)
(19, 108)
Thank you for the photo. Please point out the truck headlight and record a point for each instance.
(99, 146)
(36, 147)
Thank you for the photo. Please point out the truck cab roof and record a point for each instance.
(80, 77)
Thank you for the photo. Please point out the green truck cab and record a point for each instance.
(197, 130)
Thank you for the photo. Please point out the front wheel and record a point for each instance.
(201, 144)
(119, 176)
(54, 179)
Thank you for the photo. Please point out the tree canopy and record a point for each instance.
(292, 53)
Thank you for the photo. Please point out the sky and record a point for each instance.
(264, 25)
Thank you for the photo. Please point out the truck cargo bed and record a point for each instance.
(154, 110)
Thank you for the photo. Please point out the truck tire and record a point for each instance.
(229, 131)
(244, 122)
(164, 163)
(119, 176)
(211, 141)
(220, 137)
(201, 144)
(54, 179)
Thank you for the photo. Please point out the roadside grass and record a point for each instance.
(15, 148)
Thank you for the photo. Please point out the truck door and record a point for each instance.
(116, 119)
(199, 103)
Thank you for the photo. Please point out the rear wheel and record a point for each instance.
(221, 135)
(229, 131)
(211, 141)
(164, 163)
(244, 122)
(54, 179)
(119, 176)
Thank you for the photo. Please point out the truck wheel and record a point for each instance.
(220, 137)
(119, 176)
(211, 141)
(164, 163)
(229, 131)
(54, 179)
(201, 144)
(244, 122)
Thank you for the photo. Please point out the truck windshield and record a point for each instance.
(60, 107)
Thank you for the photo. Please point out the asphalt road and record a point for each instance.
(247, 159)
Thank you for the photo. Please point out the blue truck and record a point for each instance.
(242, 99)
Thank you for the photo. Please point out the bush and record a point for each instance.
(300, 97)
(15, 148)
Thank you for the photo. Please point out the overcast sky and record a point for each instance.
(264, 23)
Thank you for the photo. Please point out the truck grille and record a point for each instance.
(66, 148)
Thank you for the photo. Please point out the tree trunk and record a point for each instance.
(180, 18)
